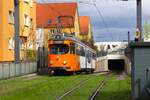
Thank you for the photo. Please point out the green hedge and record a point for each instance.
(31, 54)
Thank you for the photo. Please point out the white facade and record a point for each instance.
(110, 46)
(39, 37)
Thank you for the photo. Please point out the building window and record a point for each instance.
(30, 44)
(27, 1)
(11, 17)
(58, 30)
(108, 46)
(25, 20)
(52, 31)
(55, 30)
(31, 3)
(31, 23)
(10, 43)
(22, 42)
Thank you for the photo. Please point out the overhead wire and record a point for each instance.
(101, 15)
(103, 19)
(117, 37)
(98, 10)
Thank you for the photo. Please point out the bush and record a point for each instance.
(31, 55)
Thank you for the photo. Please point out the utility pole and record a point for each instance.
(16, 17)
(128, 37)
(139, 17)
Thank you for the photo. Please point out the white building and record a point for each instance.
(110, 46)
(39, 38)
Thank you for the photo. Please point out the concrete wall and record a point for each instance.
(102, 62)
(140, 75)
(8, 70)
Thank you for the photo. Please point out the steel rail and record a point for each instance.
(100, 87)
(77, 86)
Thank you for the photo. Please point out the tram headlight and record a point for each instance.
(64, 62)
(51, 62)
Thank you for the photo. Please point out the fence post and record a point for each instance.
(1, 71)
(9, 69)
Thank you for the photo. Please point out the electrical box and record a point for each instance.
(140, 70)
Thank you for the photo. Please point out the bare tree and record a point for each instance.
(147, 31)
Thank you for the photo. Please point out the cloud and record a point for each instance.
(118, 34)
(119, 17)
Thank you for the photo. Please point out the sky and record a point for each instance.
(116, 18)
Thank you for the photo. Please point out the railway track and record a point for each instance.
(100, 87)
(102, 83)
(79, 85)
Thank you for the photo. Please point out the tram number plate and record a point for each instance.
(58, 42)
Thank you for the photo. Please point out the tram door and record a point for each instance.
(88, 60)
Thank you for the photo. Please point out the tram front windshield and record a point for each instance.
(59, 49)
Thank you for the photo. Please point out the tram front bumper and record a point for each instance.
(54, 68)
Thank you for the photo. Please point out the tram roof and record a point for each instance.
(73, 39)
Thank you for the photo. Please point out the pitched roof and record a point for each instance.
(84, 24)
(56, 14)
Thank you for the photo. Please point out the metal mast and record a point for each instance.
(17, 47)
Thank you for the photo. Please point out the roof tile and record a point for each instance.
(56, 14)
(84, 24)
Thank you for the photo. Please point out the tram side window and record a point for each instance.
(78, 51)
(82, 51)
(72, 48)
(94, 56)
(89, 56)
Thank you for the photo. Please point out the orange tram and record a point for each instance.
(68, 54)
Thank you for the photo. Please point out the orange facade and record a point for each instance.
(7, 30)
(85, 28)
(62, 17)
(7, 27)
(1, 54)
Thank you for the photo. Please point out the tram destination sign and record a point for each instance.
(58, 42)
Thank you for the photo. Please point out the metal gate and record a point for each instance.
(42, 61)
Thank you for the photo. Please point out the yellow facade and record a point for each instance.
(7, 27)
(1, 53)
(27, 12)
(90, 33)
(76, 24)
(86, 37)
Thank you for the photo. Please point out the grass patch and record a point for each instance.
(50, 87)
(85, 91)
(45, 87)
(116, 89)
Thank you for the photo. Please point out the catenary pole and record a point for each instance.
(16, 18)
(139, 17)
